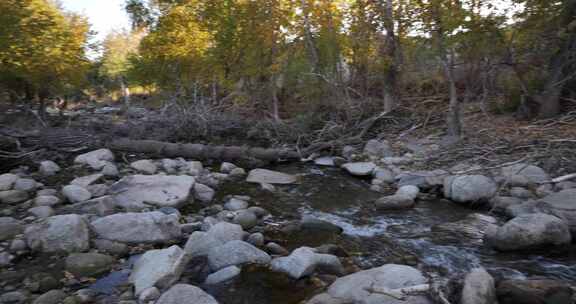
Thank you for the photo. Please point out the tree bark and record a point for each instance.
(390, 92)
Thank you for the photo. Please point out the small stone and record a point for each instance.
(144, 166)
(41, 211)
(55, 296)
(360, 169)
(25, 184)
(227, 167)
(160, 268)
(47, 192)
(195, 168)
(110, 169)
(48, 168)
(203, 193)
(13, 297)
(276, 249)
(236, 253)
(46, 200)
(86, 181)
(9, 228)
(88, 264)
(111, 247)
(186, 294)
(13, 196)
(149, 295)
(223, 275)
(95, 159)
(7, 181)
(259, 176)
(60, 233)
(76, 194)
(256, 239)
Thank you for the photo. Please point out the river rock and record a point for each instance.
(85, 181)
(276, 249)
(111, 247)
(529, 231)
(385, 175)
(102, 206)
(405, 197)
(48, 168)
(144, 166)
(246, 219)
(158, 268)
(378, 148)
(563, 205)
(524, 175)
(76, 194)
(313, 224)
(25, 184)
(256, 239)
(147, 227)
(47, 200)
(203, 193)
(352, 288)
(226, 232)
(149, 295)
(223, 275)
(7, 181)
(41, 211)
(521, 193)
(236, 253)
(54, 296)
(9, 228)
(199, 243)
(304, 261)
(60, 233)
(261, 176)
(88, 264)
(534, 292)
(195, 168)
(170, 166)
(13, 196)
(499, 204)
(421, 179)
(478, 288)
(360, 169)
(110, 170)
(326, 161)
(140, 191)
(95, 159)
(186, 294)
(13, 297)
(469, 188)
(235, 204)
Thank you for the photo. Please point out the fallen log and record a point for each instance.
(200, 151)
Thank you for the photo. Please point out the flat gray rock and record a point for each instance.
(141, 191)
(263, 176)
(158, 268)
(147, 227)
(60, 233)
(236, 253)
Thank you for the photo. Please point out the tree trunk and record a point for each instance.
(390, 92)
(313, 56)
(125, 92)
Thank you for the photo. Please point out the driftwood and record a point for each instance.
(199, 151)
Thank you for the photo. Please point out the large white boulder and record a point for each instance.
(147, 227)
(137, 192)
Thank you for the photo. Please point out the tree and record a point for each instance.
(42, 49)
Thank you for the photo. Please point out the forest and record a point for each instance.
(289, 152)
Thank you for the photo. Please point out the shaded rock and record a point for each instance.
(13, 297)
(95, 159)
(13, 196)
(313, 224)
(236, 253)
(101, 206)
(144, 166)
(200, 243)
(111, 247)
(141, 191)
(259, 211)
(276, 249)
(405, 197)
(25, 184)
(47, 192)
(469, 188)
(41, 211)
(170, 165)
(378, 148)
(421, 179)
(158, 268)
(534, 292)
(149, 295)
(46, 200)
(9, 228)
(88, 264)
(246, 219)
(76, 194)
(48, 168)
(260, 176)
(195, 168)
(110, 169)
(227, 167)
(54, 296)
(203, 193)
(499, 204)
(520, 192)
(148, 227)
(385, 175)
(235, 204)
(304, 261)
(256, 239)
(7, 181)
(529, 231)
(360, 169)
(186, 294)
(226, 232)
(60, 233)
(353, 288)
(527, 207)
(478, 288)
(561, 204)
(86, 181)
(98, 190)
(223, 275)
(524, 175)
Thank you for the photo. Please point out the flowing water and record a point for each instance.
(375, 238)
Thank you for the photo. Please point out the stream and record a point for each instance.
(376, 238)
